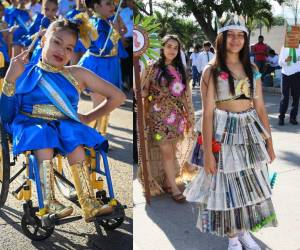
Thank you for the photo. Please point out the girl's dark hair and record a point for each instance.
(220, 61)
(90, 3)
(66, 25)
(51, 1)
(177, 62)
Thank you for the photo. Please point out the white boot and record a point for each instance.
(248, 242)
(234, 244)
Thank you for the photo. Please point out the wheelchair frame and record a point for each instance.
(36, 217)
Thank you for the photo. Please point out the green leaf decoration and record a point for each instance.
(148, 20)
(151, 26)
(153, 52)
(137, 19)
(143, 59)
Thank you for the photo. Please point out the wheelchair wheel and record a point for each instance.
(32, 227)
(114, 220)
(111, 224)
(4, 166)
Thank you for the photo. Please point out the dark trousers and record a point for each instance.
(260, 65)
(126, 66)
(195, 75)
(290, 84)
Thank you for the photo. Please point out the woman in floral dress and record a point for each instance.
(168, 116)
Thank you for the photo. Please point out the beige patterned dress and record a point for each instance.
(169, 118)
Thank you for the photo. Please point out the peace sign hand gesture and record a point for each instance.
(16, 67)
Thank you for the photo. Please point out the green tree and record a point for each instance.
(206, 12)
(278, 21)
(188, 31)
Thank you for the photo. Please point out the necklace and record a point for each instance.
(48, 67)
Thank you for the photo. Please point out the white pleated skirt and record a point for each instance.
(238, 196)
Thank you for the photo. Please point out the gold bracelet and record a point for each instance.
(8, 88)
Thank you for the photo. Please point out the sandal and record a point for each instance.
(179, 198)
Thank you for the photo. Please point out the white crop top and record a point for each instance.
(241, 87)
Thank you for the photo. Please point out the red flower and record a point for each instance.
(200, 140)
(216, 146)
(224, 75)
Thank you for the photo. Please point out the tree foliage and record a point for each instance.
(257, 12)
(188, 31)
(278, 21)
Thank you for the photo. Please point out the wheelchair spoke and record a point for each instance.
(36, 229)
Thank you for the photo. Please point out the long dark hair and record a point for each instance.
(220, 61)
(177, 62)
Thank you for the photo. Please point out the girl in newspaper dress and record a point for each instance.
(232, 189)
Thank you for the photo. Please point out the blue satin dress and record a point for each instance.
(30, 130)
(26, 40)
(106, 66)
(21, 18)
(4, 48)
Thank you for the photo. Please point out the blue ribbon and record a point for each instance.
(57, 97)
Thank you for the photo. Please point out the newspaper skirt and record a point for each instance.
(238, 196)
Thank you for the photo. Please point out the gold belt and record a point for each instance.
(46, 111)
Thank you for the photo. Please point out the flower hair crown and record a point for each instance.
(87, 32)
(230, 21)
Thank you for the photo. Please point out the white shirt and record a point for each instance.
(289, 68)
(194, 57)
(273, 61)
(204, 58)
(127, 17)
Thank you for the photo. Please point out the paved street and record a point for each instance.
(165, 225)
(79, 235)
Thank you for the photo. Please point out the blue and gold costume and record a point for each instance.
(106, 65)
(43, 112)
(40, 21)
(21, 18)
(8, 14)
(3, 45)
(26, 40)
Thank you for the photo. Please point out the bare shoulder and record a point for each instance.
(79, 73)
(76, 70)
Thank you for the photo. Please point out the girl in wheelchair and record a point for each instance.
(40, 103)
